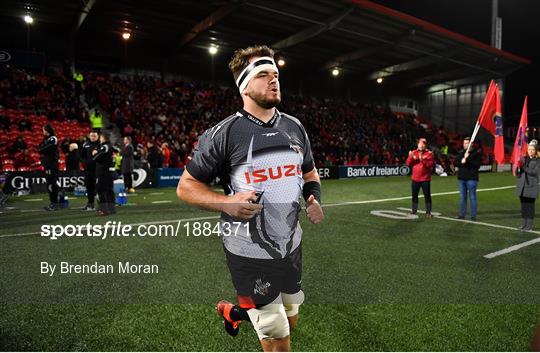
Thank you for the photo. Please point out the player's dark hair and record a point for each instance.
(241, 57)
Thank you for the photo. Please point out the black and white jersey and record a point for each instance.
(87, 156)
(103, 158)
(48, 149)
(248, 154)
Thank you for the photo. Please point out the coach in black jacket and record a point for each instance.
(105, 173)
(128, 164)
(48, 149)
(90, 168)
(468, 164)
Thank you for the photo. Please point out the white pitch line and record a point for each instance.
(409, 197)
(162, 201)
(496, 253)
(513, 247)
(31, 200)
(156, 193)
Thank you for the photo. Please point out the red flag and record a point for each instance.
(490, 118)
(520, 146)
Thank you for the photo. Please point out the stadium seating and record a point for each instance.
(176, 112)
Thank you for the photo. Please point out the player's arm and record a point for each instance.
(312, 184)
(206, 163)
(197, 193)
(312, 196)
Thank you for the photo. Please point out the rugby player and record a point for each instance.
(264, 161)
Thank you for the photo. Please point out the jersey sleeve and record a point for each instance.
(209, 156)
(309, 164)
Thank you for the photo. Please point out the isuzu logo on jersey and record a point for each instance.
(273, 173)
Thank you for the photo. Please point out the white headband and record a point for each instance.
(258, 65)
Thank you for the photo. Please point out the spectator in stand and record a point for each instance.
(18, 145)
(166, 154)
(73, 158)
(4, 122)
(23, 159)
(128, 164)
(421, 161)
(25, 125)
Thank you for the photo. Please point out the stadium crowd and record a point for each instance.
(164, 119)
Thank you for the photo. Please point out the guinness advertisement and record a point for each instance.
(35, 182)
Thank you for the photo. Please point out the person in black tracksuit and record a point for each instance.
(90, 168)
(105, 173)
(48, 149)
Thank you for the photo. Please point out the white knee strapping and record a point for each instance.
(270, 321)
(292, 302)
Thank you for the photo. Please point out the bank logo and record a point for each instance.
(404, 170)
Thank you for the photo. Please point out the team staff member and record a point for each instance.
(87, 156)
(264, 160)
(105, 175)
(527, 186)
(49, 159)
(421, 161)
(468, 164)
(128, 163)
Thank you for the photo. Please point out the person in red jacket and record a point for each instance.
(421, 161)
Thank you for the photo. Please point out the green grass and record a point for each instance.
(371, 283)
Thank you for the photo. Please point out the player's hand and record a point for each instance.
(94, 152)
(463, 160)
(314, 210)
(242, 205)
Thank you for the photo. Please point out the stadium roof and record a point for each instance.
(362, 38)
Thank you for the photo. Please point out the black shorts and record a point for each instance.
(260, 281)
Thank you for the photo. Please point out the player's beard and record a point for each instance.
(262, 101)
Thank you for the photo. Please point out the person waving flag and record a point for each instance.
(520, 145)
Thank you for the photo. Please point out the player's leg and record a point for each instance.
(291, 292)
(272, 327)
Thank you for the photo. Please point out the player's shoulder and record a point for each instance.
(220, 129)
(292, 119)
